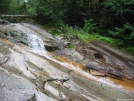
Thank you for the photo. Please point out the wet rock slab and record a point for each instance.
(19, 33)
(35, 75)
(103, 58)
(16, 88)
(111, 60)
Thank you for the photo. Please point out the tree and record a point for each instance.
(115, 13)
(4, 6)
(46, 11)
(116, 20)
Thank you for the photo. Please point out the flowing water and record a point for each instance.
(35, 42)
(37, 65)
(37, 46)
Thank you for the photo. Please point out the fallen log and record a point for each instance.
(4, 15)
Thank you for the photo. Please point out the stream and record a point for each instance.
(91, 71)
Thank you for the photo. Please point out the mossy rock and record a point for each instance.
(70, 46)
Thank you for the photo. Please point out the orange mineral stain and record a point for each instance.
(6, 41)
(75, 64)
(125, 83)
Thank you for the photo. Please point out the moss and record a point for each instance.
(84, 69)
(70, 46)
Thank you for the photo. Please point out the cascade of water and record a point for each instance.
(35, 42)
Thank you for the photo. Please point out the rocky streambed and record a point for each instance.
(89, 72)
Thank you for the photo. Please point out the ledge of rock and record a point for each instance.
(29, 73)
(19, 33)
(103, 58)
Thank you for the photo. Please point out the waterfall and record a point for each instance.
(35, 42)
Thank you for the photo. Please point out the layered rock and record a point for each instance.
(101, 57)
(20, 33)
(29, 73)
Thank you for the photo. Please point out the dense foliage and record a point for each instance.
(108, 18)
(4, 6)
(119, 22)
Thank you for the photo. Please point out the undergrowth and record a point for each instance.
(77, 33)
(84, 36)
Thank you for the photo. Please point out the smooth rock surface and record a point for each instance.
(33, 74)
(20, 33)
(103, 58)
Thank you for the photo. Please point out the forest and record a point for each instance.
(111, 21)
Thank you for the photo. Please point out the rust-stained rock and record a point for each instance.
(37, 75)
(104, 58)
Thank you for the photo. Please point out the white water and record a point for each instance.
(37, 45)
(35, 42)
